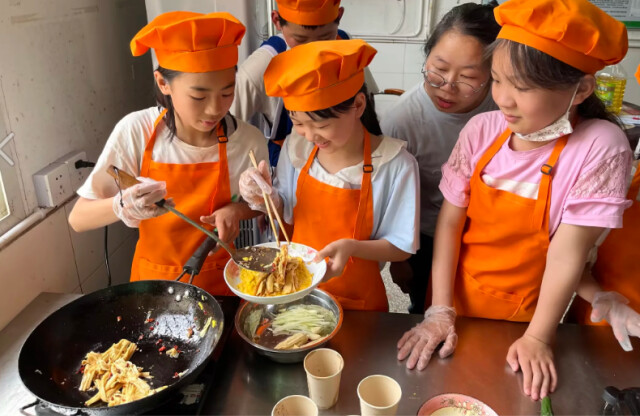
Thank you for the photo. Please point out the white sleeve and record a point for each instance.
(250, 92)
(400, 207)
(124, 150)
(285, 182)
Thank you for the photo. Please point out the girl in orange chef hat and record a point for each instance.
(348, 191)
(187, 148)
(528, 189)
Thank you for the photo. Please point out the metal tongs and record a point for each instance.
(253, 258)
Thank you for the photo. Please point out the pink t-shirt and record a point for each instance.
(589, 179)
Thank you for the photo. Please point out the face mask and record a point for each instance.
(560, 127)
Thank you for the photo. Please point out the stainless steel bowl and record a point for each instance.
(316, 297)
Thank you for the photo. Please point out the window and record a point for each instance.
(11, 195)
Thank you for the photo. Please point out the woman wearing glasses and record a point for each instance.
(430, 116)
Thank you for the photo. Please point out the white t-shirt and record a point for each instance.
(251, 102)
(125, 148)
(430, 135)
(394, 183)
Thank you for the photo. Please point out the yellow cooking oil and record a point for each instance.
(610, 86)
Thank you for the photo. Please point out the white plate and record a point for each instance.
(232, 275)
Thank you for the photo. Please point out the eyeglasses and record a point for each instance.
(437, 81)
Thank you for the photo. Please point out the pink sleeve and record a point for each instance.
(456, 173)
(598, 198)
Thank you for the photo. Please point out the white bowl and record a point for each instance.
(232, 275)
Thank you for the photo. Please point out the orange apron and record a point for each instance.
(617, 268)
(167, 242)
(504, 245)
(323, 214)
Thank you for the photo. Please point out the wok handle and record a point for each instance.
(194, 264)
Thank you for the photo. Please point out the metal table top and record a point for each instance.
(587, 359)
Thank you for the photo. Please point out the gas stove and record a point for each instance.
(189, 400)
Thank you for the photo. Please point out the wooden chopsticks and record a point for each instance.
(271, 207)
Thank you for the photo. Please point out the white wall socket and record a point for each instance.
(76, 176)
(53, 185)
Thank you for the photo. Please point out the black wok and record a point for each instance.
(50, 358)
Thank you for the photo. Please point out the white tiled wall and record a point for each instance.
(397, 65)
(66, 77)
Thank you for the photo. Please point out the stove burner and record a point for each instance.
(188, 400)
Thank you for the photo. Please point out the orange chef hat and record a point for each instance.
(191, 42)
(573, 31)
(309, 12)
(318, 75)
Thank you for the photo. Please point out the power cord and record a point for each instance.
(80, 164)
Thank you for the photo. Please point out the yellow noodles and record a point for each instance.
(289, 276)
(117, 380)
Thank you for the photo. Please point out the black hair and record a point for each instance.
(368, 118)
(310, 27)
(535, 68)
(165, 100)
(469, 19)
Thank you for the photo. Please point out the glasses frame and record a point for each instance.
(474, 90)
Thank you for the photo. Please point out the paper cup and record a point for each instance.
(379, 395)
(324, 368)
(295, 406)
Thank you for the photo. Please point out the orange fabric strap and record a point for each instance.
(365, 190)
(544, 189)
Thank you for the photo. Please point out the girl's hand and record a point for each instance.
(253, 182)
(423, 339)
(338, 253)
(535, 359)
(624, 321)
(137, 203)
(226, 220)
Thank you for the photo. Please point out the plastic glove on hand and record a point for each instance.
(137, 203)
(255, 181)
(624, 321)
(421, 341)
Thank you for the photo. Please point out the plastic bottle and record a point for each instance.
(610, 84)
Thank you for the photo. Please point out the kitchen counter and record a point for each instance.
(588, 359)
(14, 394)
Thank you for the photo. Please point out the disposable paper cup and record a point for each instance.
(379, 395)
(324, 367)
(295, 406)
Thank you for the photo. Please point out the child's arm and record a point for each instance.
(227, 219)
(420, 342)
(339, 252)
(89, 214)
(132, 205)
(532, 352)
(612, 307)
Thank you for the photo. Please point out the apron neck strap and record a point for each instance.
(148, 149)
(541, 210)
(365, 192)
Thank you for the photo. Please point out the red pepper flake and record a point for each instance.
(176, 375)
(119, 318)
(150, 328)
(158, 341)
(162, 348)
(150, 320)
(175, 347)
(80, 370)
(140, 337)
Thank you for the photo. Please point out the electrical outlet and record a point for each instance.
(53, 185)
(77, 176)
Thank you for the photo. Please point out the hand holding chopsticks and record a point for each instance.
(270, 207)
